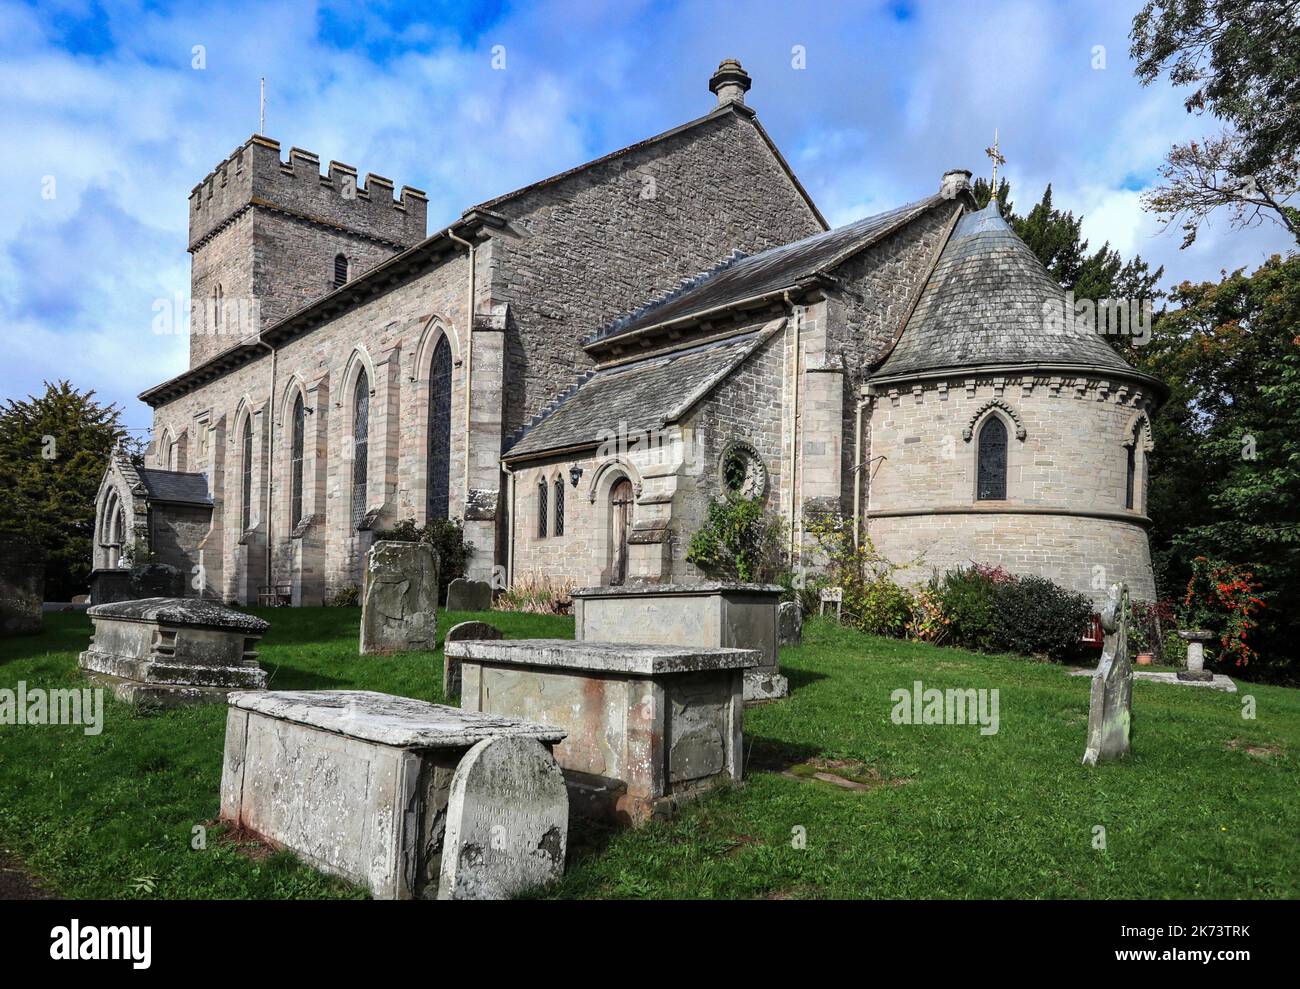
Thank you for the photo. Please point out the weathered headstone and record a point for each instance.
(507, 822)
(170, 651)
(1196, 671)
(22, 587)
(399, 608)
(359, 784)
(451, 665)
(1110, 707)
(464, 594)
(789, 623)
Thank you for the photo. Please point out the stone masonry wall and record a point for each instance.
(392, 336)
(598, 244)
(1071, 465)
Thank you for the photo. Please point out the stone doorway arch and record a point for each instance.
(621, 500)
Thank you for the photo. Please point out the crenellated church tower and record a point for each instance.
(268, 236)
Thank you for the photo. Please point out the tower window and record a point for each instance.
(992, 461)
(340, 270)
(1130, 475)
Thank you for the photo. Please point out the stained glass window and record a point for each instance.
(439, 447)
(360, 447)
(295, 469)
(246, 466)
(992, 470)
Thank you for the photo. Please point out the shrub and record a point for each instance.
(929, 623)
(446, 536)
(1149, 621)
(873, 601)
(344, 597)
(991, 610)
(739, 541)
(537, 595)
(1223, 598)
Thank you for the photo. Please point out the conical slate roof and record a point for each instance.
(986, 303)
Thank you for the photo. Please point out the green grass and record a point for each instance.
(1206, 806)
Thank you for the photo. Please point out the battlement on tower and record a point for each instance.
(255, 175)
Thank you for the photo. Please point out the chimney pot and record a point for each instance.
(954, 181)
(730, 82)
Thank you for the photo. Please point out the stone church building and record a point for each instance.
(577, 367)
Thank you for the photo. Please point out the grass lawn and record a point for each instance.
(1208, 805)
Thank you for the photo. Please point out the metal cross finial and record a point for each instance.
(998, 159)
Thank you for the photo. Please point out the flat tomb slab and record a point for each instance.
(359, 784)
(648, 726)
(386, 719)
(634, 659)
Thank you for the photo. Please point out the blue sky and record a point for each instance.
(104, 100)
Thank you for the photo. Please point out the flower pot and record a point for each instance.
(1145, 658)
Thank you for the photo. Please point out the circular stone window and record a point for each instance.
(743, 472)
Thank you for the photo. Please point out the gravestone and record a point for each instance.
(712, 614)
(648, 725)
(360, 785)
(507, 822)
(451, 665)
(789, 624)
(1110, 706)
(1196, 671)
(399, 606)
(170, 651)
(22, 587)
(464, 594)
(149, 580)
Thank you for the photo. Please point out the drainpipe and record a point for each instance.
(510, 532)
(270, 459)
(797, 320)
(857, 472)
(469, 359)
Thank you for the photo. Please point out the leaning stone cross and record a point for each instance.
(1110, 709)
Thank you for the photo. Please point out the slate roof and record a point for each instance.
(175, 486)
(643, 395)
(984, 304)
(743, 277)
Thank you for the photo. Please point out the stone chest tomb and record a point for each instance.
(648, 725)
(714, 614)
(410, 799)
(173, 650)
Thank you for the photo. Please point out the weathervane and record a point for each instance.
(998, 159)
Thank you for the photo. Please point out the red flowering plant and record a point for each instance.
(1222, 598)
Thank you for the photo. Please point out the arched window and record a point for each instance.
(360, 446)
(218, 297)
(246, 468)
(340, 270)
(1130, 474)
(992, 462)
(559, 506)
(439, 445)
(295, 461)
(541, 508)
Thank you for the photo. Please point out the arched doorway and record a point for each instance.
(621, 500)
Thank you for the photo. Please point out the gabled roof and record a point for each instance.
(747, 277)
(987, 303)
(718, 113)
(637, 397)
(174, 486)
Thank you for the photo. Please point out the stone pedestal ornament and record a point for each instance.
(171, 651)
(1110, 706)
(710, 614)
(451, 665)
(464, 594)
(648, 725)
(1196, 639)
(507, 822)
(399, 607)
(365, 785)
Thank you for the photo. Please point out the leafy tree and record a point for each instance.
(53, 452)
(1242, 60)
(1225, 472)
